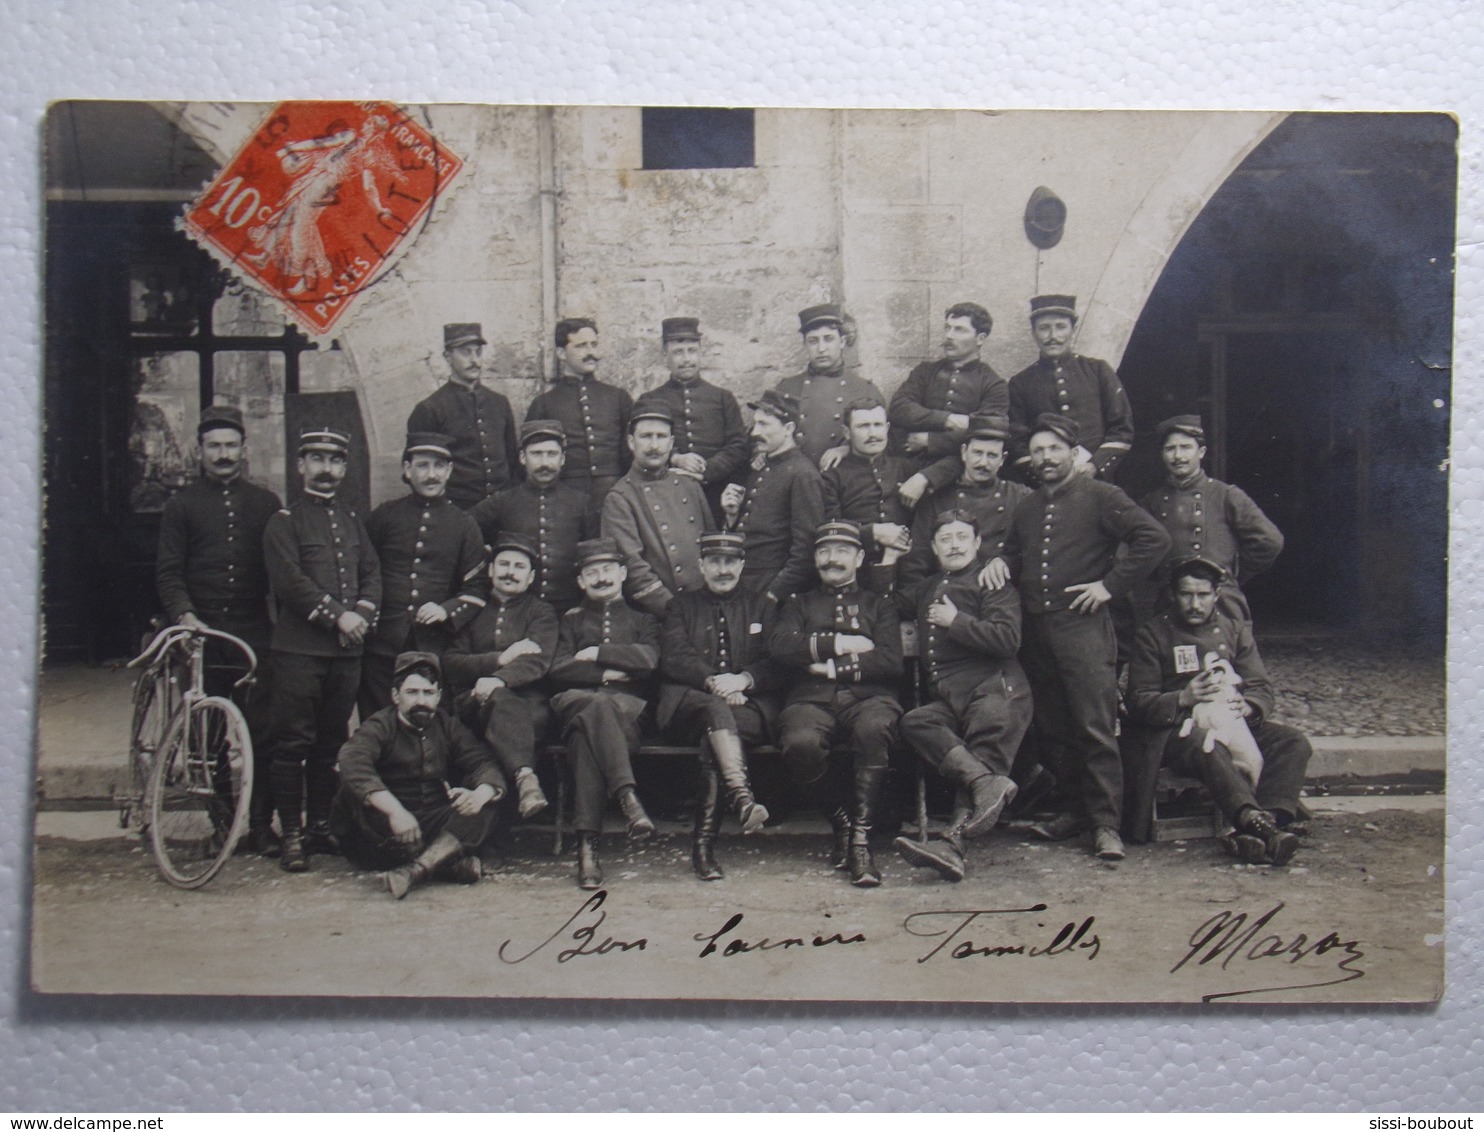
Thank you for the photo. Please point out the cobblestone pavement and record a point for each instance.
(1329, 686)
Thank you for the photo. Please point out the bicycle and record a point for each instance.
(193, 754)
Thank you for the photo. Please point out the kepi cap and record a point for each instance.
(410, 660)
(220, 416)
(1054, 304)
(1199, 566)
(594, 550)
(650, 409)
(1064, 427)
(515, 540)
(680, 329)
(1188, 423)
(810, 317)
(532, 431)
(428, 444)
(774, 402)
(324, 439)
(723, 543)
(456, 334)
(838, 530)
(989, 426)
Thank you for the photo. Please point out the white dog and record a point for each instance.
(1221, 722)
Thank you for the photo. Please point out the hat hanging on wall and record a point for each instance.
(1045, 218)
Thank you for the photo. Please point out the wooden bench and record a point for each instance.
(1183, 809)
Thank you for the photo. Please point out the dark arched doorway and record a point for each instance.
(1307, 316)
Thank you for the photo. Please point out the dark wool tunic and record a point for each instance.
(1070, 534)
(1085, 389)
(709, 423)
(558, 518)
(320, 564)
(784, 505)
(864, 490)
(211, 552)
(596, 418)
(627, 640)
(981, 642)
(706, 634)
(822, 398)
(429, 551)
(992, 504)
(482, 425)
(804, 634)
(476, 651)
(933, 391)
(1217, 521)
(657, 520)
(417, 767)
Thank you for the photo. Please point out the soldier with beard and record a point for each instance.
(395, 809)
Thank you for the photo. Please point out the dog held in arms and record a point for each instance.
(1221, 722)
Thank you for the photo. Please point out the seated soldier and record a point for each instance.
(495, 665)
(981, 700)
(606, 654)
(1171, 672)
(714, 660)
(395, 809)
(842, 646)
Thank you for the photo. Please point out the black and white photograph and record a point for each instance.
(689, 553)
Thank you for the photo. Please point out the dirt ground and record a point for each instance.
(1357, 917)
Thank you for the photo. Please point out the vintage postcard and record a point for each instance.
(830, 555)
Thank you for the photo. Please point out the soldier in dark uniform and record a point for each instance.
(981, 700)
(842, 646)
(866, 485)
(395, 809)
(478, 421)
(980, 491)
(930, 412)
(1062, 551)
(607, 653)
(1069, 385)
(594, 414)
(432, 567)
(825, 387)
(1208, 518)
(210, 573)
(1172, 672)
(656, 515)
(717, 688)
(326, 582)
(556, 516)
(781, 505)
(495, 666)
(710, 435)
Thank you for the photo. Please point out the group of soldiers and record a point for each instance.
(614, 567)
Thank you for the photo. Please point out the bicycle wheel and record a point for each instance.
(156, 697)
(199, 792)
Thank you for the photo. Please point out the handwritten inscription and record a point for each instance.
(953, 924)
(740, 946)
(1235, 936)
(588, 919)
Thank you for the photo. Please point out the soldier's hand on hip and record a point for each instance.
(1091, 596)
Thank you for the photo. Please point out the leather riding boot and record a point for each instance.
(589, 870)
(445, 847)
(640, 827)
(261, 837)
(708, 821)
(320, 783)
(1279, 844)
(288, 796)
(988, 792)
(840, 838)
(863, 870)
(532, 800)
(731, 764)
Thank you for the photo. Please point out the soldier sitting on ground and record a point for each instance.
(395, 809)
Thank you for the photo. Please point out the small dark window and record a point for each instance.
(686, 137)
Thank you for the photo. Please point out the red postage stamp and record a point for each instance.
(319, 201)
